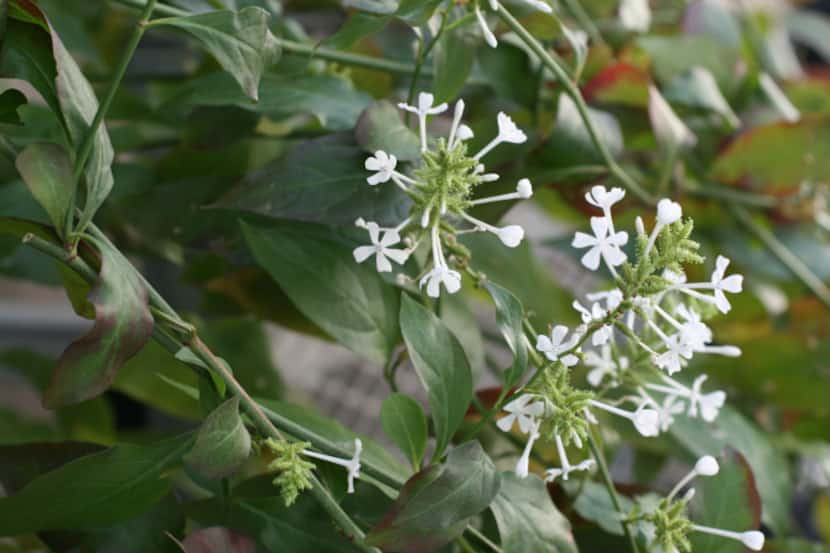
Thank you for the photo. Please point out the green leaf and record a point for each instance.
(223, 442)
(257, 510)
(79, 106)
(528, 520)
(404, 422)
(768, 463)
(442, 368)
(436, 504)
(728, 500)
(94, 491)
(356, 27)
(673, 55)
(240, 41)
(123, 324)
(315, 267)
(510, 318)
(10, 100)
(47, 171)
(382, 7)
(456, 313)
(148, 533)
(320, 181)
(332, 99)
(380, 127)
(454, 58)
(27, 55)
(593, 503)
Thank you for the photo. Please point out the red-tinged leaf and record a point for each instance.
(777, 158)
(620, 83)
(436, 504)
(217, 540)
(123, 324)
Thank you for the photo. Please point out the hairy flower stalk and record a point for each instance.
(638, 334)
(441, 185)
(294, 472)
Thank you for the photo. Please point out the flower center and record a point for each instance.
(445, 181)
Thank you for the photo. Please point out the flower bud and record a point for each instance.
(707, 466)
(511, 235)
(668, 211)
(753, 540)
(524, 189)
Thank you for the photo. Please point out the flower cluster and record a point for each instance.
(294, 472)
(441, 187)
(664, 522)
(637, 334)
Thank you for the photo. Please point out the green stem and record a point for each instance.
(579, 13)
(60, 254)
(571, 90)
(348, 58)
(484, 539)
(423, 52)
(85, 149)
(596, 451)
(160, 8)
(796, 266)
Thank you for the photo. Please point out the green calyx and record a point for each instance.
(293, 472)
(445, 179)
(671, 526)
(567, 418)
(672, 249)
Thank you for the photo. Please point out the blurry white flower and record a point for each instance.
(670, 131)
(635, 15)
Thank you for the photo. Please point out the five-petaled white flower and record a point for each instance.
(380, 247)
(601, 244)
(677, 350)
(525, 409)
(708, 405)
(424, 108)
(384, 164)
(721, 283)
(604, 199)
(441, 274)
(556, 348)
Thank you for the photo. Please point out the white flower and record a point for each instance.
(677, 350)
(604, 199)
(525, 410)
(646, 421)
(753, 539)
(708, 405)
(694, 331)
(596, 314)
(425, 107)
(489, 37)
(384, 164)
(508, 132)
(441, 274)
(670, 131)
(732, 284)
(524, 189)
(523, 464)
(707, 466)
(556, 348)
(668, 211)
(380, 248)
(567, 468)
(603, 365)
(635, 15)
(511, 235)
(601, 244)
(613, 298)
(352, 465)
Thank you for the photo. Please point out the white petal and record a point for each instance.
(544, 344)
(753, 540)
(397, 255)
(635, 15)
(382, 263)
(614, 256)
(508, 131)
(583, 240)
(363, 253)
(668, 211)
(390, 238)
(464, 132)
(506, 423)
(524, 188)
(489, 37)
(732, 284)
(511, 236)
(591, 259)
(647, 422)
